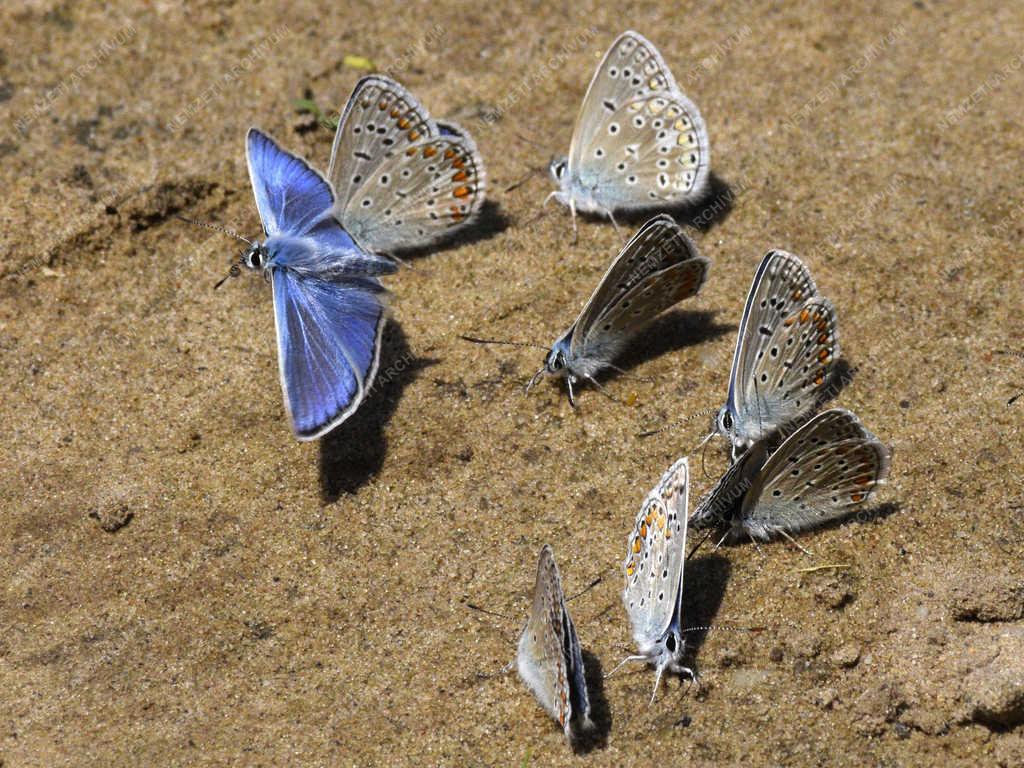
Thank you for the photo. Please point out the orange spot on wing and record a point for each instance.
(458, 163)
(823, 355)
(413, 135)
(804, 315)
(856, 497)
(429, 151)
(382, 105)
(449, 153)
(403, 123)
(460, 176)
(636, 546)
(395, 112)
(461, 192)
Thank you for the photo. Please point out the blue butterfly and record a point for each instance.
(328, 304)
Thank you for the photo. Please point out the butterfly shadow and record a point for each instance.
(351, 454)
(671, 331)
(862, 516)
(711, 209)
(489, 222)
(703, 592)
(600, 713)
(840, 378)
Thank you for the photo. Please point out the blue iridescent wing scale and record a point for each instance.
(328, 336)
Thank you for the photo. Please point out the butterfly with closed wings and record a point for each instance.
(657, 268)
(787, 343)
(403, 181)
(639, 143)
(820, 473)
(653, 570)
(549, 659)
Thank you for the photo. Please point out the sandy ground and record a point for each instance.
(186, 584)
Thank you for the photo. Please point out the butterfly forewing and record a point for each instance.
(380, 116)
(819, 473)
(631, 69)
(417, 194)
(658, 267)
(653, 567)
(549, 658)
(781, 284)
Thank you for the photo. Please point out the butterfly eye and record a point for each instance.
(727, 420)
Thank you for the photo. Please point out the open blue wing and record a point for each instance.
(328, 336)
(291, 196)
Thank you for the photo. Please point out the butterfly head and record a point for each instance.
(255, 257)
(725, 424)
(558, 168)
(665, 656)
(555, 364)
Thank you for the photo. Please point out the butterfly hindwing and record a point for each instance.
(651, 152)
(549, 658)
(791, 367)
(719, 506)
(402, 180)
(823, 470)
(417, 195)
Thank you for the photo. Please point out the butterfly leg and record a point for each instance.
(623, 663)
(795, 543)
(534, 379)
(721, 540)
(569, 381)
(575, 231)
(756, 545)
(601, 389)
(618, 229)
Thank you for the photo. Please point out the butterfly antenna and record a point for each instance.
(522, 180)
(677, 422)
(724, 628)
(586, 589)
(657, 682)
(475, 607)
(528, 140)
(477, 340)
(216, 228)
(700, 543)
